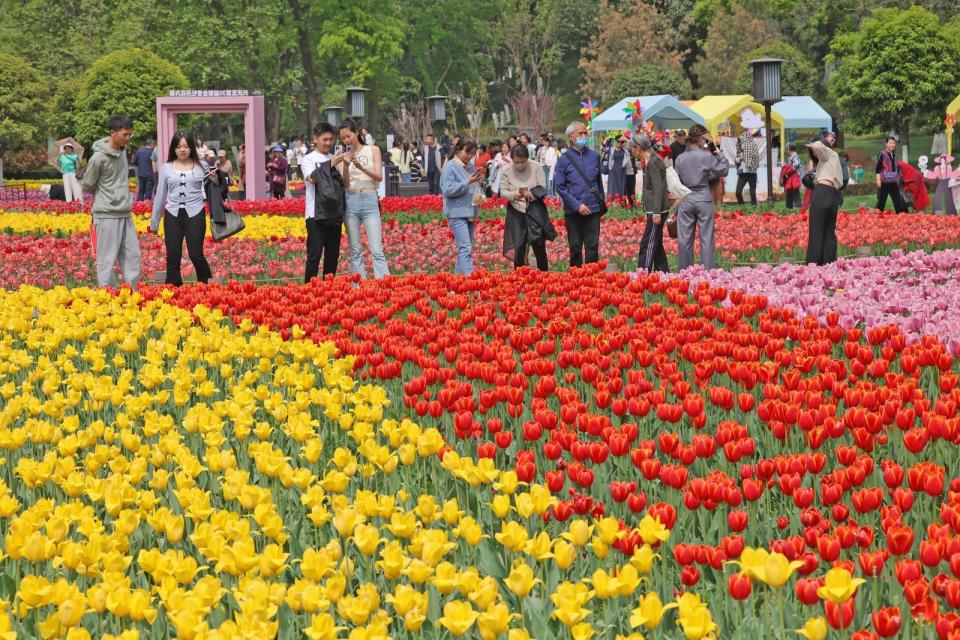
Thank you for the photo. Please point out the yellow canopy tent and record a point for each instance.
(716, 109)
(953, 110)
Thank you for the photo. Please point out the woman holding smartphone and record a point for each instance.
(361, 168)
(179, 200)
(460, 186)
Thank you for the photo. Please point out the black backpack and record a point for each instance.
(330, 199)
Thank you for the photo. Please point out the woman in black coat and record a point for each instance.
(656, 204)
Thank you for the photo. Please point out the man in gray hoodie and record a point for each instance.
(106, 177)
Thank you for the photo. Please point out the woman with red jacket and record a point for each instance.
(914, 185)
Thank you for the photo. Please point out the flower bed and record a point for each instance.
(48, 248)
(918, 291)
(741, 428)
(520, 455)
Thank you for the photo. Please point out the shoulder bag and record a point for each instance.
(224, 221)
(593, 186)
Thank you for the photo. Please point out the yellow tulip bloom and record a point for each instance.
(513, 536)
(604, 585)
(839, 585)
(539, 546)
(582, 631)
(649, 612)
(494, 621)
(698, 624)
(652, 531)
(322, 627)
(458, 617)
(814, 628)
(521, 579)
(564, 553)
(578, 532)
(608, 530)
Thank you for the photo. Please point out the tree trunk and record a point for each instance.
(306, 57)
(905, 135)
(1, 168)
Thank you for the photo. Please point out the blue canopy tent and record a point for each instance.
(800, 112)
(666, 112)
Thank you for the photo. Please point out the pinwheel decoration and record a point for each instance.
(634, 111)
(589, 109)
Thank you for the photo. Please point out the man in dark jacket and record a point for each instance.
(324, 222)
(579, 185)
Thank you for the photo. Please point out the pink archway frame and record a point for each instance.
(254, 130)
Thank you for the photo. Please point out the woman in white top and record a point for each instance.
(501, 160)
(361, 168)
(180, 200)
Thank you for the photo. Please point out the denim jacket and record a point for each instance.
(458, 195)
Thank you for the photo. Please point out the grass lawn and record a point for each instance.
(870, 145)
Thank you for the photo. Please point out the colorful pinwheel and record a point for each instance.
(634, 111)
(589, 109)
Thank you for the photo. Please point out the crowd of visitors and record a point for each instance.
(342, 171)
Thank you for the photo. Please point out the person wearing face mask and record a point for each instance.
(460, 186)
(822, 241)
(580, 187)
(528, 225)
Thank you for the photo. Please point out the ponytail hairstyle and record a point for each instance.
(695, 135)
(351, 124)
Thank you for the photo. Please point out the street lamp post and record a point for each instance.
(436, 110)
(766, 90)
(334, 114)
(357, 102)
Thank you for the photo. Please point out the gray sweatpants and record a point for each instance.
(117, 242)
(691, 215)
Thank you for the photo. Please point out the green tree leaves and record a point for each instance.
(899, 66)
(126, 82)
(648, 80)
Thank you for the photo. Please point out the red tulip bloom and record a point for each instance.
(840, 616)
(900, 540)
(887, 621)
(739, 585)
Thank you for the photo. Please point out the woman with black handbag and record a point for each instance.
(181, 190)
(528, 225)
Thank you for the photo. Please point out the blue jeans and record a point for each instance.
(405, 177)
(463, 235)
(363, 209)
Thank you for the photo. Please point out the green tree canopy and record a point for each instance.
(24, 94)
(734, 29)
(797, 75)
(648, 79)
(899, 67)
(127, 82)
